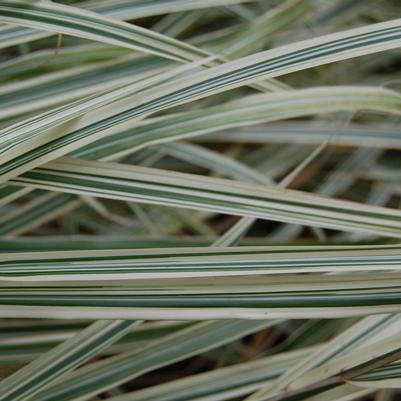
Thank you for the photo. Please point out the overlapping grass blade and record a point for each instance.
(244, 71)
(254, 109)
(68, 282)
(89, 25)
(249, 110)
(14, 35)
(42, 372)
(154, 186)
(85, 382)
(350, 340)
(21, 345)
(144, 255)
(222, 384)
(57, 88)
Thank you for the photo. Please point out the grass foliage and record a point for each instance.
(200, 200)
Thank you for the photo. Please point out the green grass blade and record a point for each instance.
(39, 374)
(108, 373)
(154, 186)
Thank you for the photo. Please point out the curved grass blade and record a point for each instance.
(247, 70)
(89, 25)
(249, 110)
(51, 89)
(122, 9)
